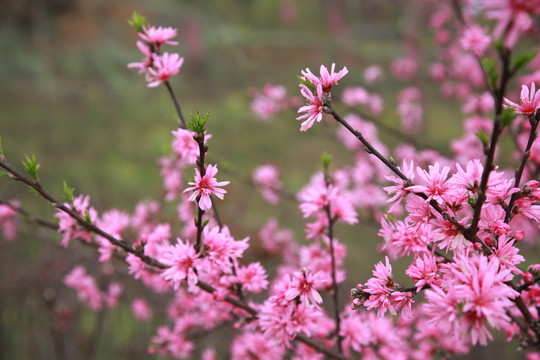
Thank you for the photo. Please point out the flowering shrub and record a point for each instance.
(459, 218)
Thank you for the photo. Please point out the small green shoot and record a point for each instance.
(31, 167)
(137, 22)
(523, 60)
(68, 193)
(198, 124)
(488, 65)
(507, 116)
(326, 160)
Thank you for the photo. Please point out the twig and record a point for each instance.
(176, 105)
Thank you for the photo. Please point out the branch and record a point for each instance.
(469, 235)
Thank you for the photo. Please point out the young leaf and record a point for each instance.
(507, 116)
(1, 150)
(31, 167)
(488, 65)
(68, 193)
(483, 138)
(308, 84)
(524, 59)
(326, 160)
(137, 22)
(87, 217)
(198, 125)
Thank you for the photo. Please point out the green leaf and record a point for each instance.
(488, 65)
(1, 150)
(326, 160)
(524, 59)
(31, 166)
(5, 173)
(308, 84)
(87, 217)
(507, 116)
(499, 45)
(198, 124)
(68, 193)
(483, 138)
(137, 22)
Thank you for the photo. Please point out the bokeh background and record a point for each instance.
(67, 96)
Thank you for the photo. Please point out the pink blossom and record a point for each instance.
(513, 17)
(354, 96)
(86, 287)
(256, 345)
(184, 146)
(278, 241)
(327, 79)
(164, 66)
(400, 191)
(436, 187)
(221, 247)
(147, 61)
(507, 254)
(474, 38)
(141, 309)
(266, 177)
(401, 238)
(314, 109)
(159, 36)
(7, 220)
(181, 260)
(304, 285)
(112, 296)
(69, 226)
(404, 68)
(530, 101)
(252, 277)
(271, 100)
(204, 186)
(172, 342)
(372, 74)
(355, 333)
(423, 272)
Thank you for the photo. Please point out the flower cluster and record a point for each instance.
(315, 94)
(158, 67)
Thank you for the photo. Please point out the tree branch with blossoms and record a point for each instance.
(460, 221)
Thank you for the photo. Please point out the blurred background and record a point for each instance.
(67, 96)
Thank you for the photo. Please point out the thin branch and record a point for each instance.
(176, 105)
(519, 173)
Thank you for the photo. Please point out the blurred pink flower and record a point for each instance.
(475, 39)
(141, 310)
(159, 36)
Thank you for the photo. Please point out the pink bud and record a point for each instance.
(519, 235)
